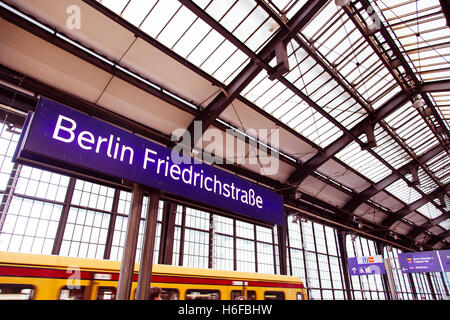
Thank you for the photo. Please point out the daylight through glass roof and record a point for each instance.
(347, 66)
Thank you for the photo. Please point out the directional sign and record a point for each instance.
(445, 259)
(413, 262)
(358, 266)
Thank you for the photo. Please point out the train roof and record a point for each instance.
(114, 266)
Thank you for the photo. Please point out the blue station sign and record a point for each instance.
(444, 255)
(413, 262)
(358, 266)
(62, 137)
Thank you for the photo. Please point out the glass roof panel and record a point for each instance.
(445, 224)
(191, 38)
(177, 26)
(417, 137)
(337, 39)
(439, 166)
(389, 149)
(403, 192)
(426, 183)
(421, 29)
(276, 99)
(442, 100)
(429, 211)
(160, 16)
(363, 162)
(116, 5)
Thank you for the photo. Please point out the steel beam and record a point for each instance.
(255, 66)
(315, 162)
(146, 264)
(432, 223)
(407, 209)
(436, 86)
(129, 249)
(365, 195)
(435, 239)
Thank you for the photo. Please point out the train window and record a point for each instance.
(16, 291)
(69, 293)
(274, 295)
(202, 294)
(106, 293)
(299, 296)
(170, 294)
(237, 295)
(251, 295)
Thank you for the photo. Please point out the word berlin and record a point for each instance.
(66, 131)
(60, 138)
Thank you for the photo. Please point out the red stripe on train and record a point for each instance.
(88, 275)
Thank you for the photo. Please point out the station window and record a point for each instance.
(170, 294)
(106, 293)
(274, 295)
(202, 294)
(69, 293)
(16, 292)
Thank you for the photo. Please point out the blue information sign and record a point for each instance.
(413, 262)
(358, 266)
(68, 139)
(445, 259)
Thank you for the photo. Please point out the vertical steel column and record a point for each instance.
(343, 249)
(167, 233)
(129, 250)
(146, 265)
(282, 234)
(112, 225)
(63, 218)
(412, 284)
(379, 247)
(430, 284)
(390, 278)
(8, 194)
(445, 283)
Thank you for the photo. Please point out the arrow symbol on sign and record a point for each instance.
(404, 269)
(354, 270)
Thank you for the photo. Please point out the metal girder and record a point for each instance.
(436, 86)
(363, 196)
(258, 61)
(99, 63)
(407, 209)
(435, 239)
(445, 4)
(396, 63)
(332, 216)
(39, 88)
(432, 223)
(320, 158)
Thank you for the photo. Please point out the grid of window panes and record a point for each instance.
(206, 240)
(120, 227)
(313, 256)
(32, 201)
(365, 287)
(427, 286)
(401, 281)
(223, 243)
(437, 281)
(30, 226)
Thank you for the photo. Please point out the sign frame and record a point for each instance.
(62, 138)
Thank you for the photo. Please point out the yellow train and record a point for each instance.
(41, 277)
